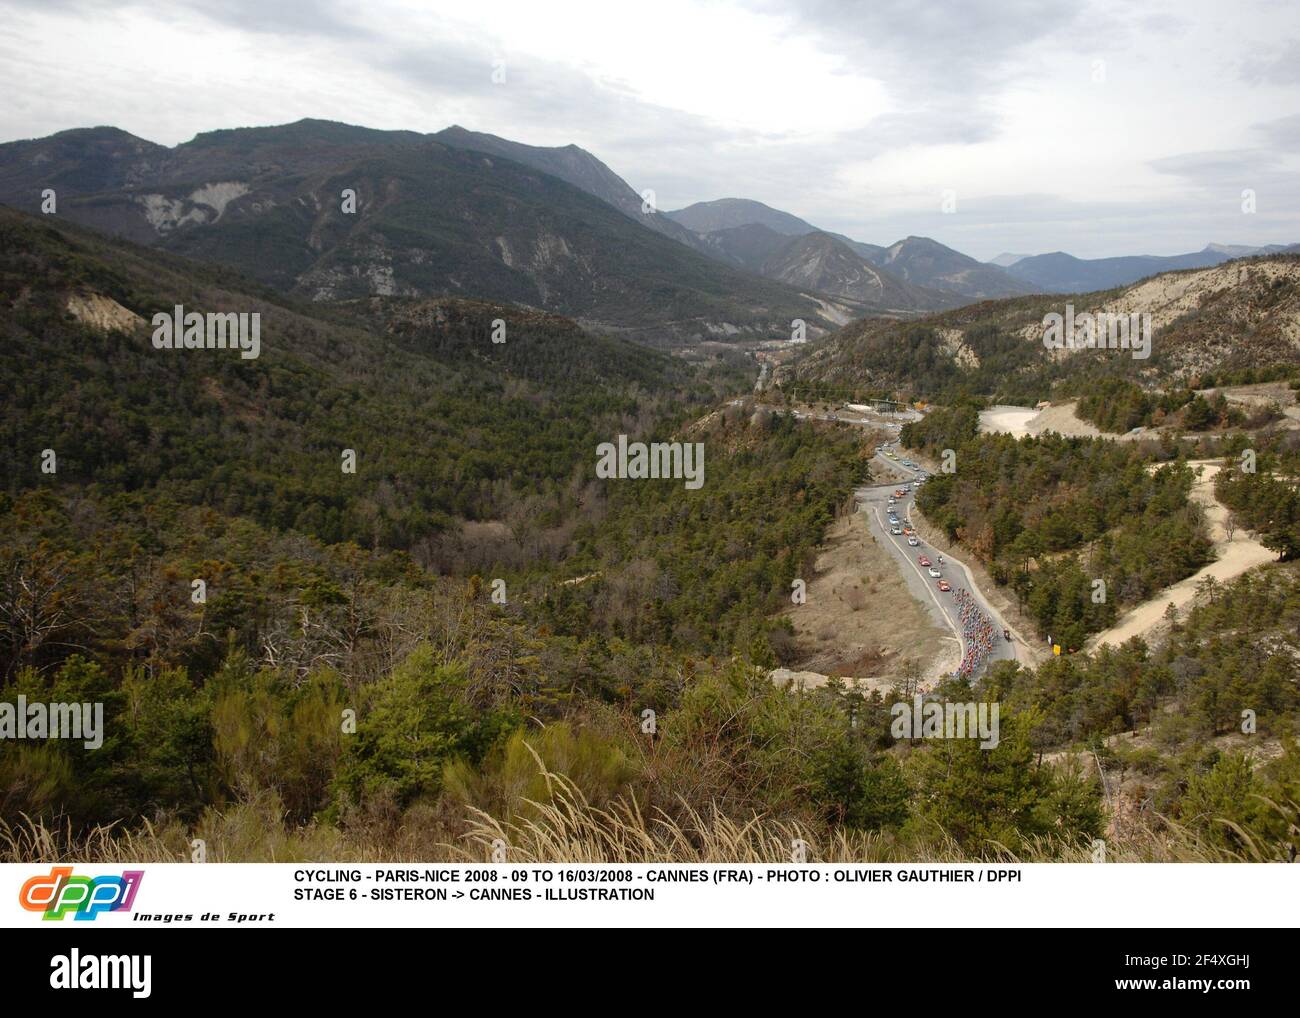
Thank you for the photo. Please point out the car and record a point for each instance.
(896, 532)
(935, 573)
(913, 541)
(908, 531)
(923, 560)
(891, 500)
(945, 586)
(899, 493)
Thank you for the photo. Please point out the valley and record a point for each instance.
(408, 504)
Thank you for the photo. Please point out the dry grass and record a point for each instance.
(567, 829)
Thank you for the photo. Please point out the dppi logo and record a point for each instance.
(60, 893)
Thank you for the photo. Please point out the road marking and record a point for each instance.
(942, 614)
(982, 602)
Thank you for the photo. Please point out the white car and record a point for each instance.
(913, 542)
(896, 531)
(935, 573)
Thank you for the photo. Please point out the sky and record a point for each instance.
(990, 125)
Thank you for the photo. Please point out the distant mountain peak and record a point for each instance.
(924, 261)
(726, 213)
(820, 261)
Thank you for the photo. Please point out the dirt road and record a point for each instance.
(1235, 556)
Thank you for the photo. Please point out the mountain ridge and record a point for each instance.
(429, 219)
(920, 261)
(1061, 272)
(1234, 317)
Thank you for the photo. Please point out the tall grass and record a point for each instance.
(565, 828)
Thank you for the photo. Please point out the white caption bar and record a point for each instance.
(71, 896)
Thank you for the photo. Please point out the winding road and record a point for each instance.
(874, 503)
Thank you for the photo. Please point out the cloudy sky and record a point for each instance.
(1097, 128)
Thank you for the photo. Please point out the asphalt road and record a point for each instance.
(873, 502)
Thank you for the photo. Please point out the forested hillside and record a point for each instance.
(445, 424)
(1232, 322)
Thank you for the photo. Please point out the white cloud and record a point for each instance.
(852, 115)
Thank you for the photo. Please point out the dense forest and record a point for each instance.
(444, 423)
(704, 570)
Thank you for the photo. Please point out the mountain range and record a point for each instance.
(919, 261)
(430, 219)
(463, 213)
